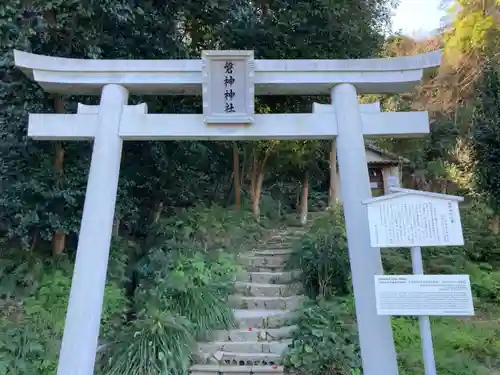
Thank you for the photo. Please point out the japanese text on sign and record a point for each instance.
(414, 221)
(228, 87)
(229, 81)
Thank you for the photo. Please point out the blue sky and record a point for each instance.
(417, 17)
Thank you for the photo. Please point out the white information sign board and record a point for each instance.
(409, 219)
(417, 295)
(228, 87)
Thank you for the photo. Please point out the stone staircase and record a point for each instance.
(264, 303)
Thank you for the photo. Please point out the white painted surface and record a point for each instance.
(135, 126)
(375, 332)
(228, 87)
(392, 181)
(414, 220)
(385, 171)
(141, 108)
(184, 77)
(403, 191)
(417, 295)
(81, 332)
(364, 108)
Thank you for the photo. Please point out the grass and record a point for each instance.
(461, 346)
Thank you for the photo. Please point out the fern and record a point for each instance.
(157, 343)
(205, 308)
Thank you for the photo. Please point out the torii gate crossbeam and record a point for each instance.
(137, 126)
(114, 79)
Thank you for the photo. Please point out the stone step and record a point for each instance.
(281, 239)
(248, 359)
(255, 334)
(256, 263)
(273, 347)
(268, 277)
(288, 232)
(261, 303)
(266, 290)
(264, 318)
(271, 251)
(235, 370)
(279, 244)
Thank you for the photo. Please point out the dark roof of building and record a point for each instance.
(389, 157)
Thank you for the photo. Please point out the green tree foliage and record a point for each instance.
(474, 28)
(322, 257)
(486, 138)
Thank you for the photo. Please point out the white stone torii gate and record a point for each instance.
(114, 121)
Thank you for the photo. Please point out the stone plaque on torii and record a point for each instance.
(228, 117)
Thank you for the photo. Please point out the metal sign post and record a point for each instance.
(423, 321)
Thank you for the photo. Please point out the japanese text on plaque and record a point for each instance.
(229, 81)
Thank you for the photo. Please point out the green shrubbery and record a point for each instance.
(33, 310)
(327, 325)
(213, 227)
(321, 255)
(163, 294)
(326, 341)
(182, 281)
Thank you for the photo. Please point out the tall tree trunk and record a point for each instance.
(257, 193)
(297, 198)
(264, 7)
(236, 176)
(229, 193)
(333, 194)
(253, 176)
(156, 211)
(304, 201)
(256, 181)
(59, 237)
(244, 172)
(495, 224)
(116, 226)
(214, 193)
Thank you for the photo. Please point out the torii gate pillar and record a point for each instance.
(365, 260)
(87, 290)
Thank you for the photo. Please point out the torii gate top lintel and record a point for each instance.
(184, 77)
